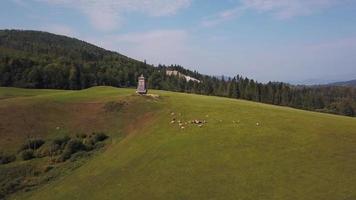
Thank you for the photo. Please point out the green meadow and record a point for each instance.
(242, 150)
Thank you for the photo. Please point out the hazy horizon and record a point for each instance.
(295, 41)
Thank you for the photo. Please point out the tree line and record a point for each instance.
(330, 99)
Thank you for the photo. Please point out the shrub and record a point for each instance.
(72, 147)
(32, 144)
(5, 159)
(48, 150)
(54, 149)
(61, 141)
(81, 135)
(99, 137)
(89, 141)
(75, 146)
(27, 154)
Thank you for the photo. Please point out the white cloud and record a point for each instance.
(157, 47)
(106, 15)
(289, 8)
(160, 46)
(223, 16)
(281, 9)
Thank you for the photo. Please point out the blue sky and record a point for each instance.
(298, 41)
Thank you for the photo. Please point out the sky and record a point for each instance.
(296, 41)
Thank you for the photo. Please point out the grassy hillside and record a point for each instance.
(244, 150)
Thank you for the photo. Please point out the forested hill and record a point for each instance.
(36, 43)
(44, 60)
(34, 59)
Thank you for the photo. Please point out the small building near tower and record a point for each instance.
(141, 86)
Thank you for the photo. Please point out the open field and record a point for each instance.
(245, 150)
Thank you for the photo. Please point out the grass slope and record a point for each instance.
(290, 154)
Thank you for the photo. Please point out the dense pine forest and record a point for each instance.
(33, 59)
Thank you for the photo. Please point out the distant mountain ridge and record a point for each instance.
(351, 83)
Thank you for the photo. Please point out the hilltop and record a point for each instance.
(244, 150)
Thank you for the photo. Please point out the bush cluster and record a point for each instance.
(99, 137)
(25, 176)
(5, 158)
(65, 147)
(17, 177)
(73, 146)
(29, 149)
(27, 154)
(60, 149)
(61, 141)
(32, 144)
